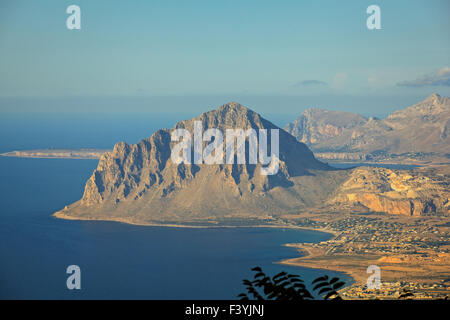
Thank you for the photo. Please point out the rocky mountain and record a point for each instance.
(140, 183)
(406, 192)
(421, 128)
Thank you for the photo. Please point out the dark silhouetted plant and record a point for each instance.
(406, 293)
(285, 286)
(327, 289)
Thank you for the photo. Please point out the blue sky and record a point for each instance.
(305, 53)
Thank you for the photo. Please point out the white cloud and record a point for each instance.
(439, 77)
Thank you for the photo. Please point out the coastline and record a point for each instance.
(293, 262)
(96, 153)
(355, 277)
(60, 215)
(49, 157)
(306, 253)
(92, 154)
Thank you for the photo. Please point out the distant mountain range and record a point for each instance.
(422, 129)
(140, 183)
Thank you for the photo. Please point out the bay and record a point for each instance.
(120, 261)
(117, 261)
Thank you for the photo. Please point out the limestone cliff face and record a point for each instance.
(394, 192)
(139, 182)
(316, 125)
(423, 127)
(128, 170)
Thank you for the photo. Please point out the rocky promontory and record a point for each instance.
(140, 183)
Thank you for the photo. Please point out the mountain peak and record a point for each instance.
(233, 104)
(434, 98)
(139, 183)
(229, 115)
(434, 95)
(433, 104)
(422, 127)
(233, 107)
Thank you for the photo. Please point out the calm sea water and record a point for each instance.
(117, 261)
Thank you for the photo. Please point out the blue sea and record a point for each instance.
(117, 261)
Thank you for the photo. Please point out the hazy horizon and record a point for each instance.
(175, 56)
(274, 107)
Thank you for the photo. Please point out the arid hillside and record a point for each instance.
(141, 184)
(420, 130)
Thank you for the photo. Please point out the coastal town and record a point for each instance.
(413, 254)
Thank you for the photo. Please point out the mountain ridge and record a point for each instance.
(140, 181)
(421, 128)
(140, 184)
